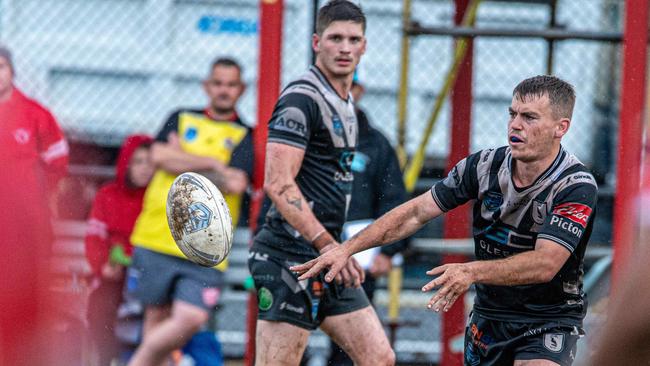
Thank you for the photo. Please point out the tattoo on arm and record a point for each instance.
(296, 202)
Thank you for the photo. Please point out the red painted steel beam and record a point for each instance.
(268, 91)
(632, 116)
(457, 222)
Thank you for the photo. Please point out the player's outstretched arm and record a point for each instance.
(535, 266)
(282, 165)
(396, 224)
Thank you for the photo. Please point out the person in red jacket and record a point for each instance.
(33, 158)
(108, 249)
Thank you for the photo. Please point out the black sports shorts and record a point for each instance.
(491, 342)
(281, 297)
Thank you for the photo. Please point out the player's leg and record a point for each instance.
(196, 292)
(286, 312)
(169, 334)
(279, 343)
(361, 335)
(154, 315)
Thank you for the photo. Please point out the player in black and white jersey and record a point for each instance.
(312, 138)
(533, 215)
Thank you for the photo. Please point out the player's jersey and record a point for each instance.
(227, 141)
(508, 220)
(310, 115)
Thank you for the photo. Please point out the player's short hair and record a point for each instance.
(226, 62)
(561, 94)
(339, 10)
(5, 53)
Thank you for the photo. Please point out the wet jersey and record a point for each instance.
(310, 115)
(508, 220)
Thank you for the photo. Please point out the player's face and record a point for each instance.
(224, 87)
(339, 48)
(140, 168)
(533, 132)
(6, 76)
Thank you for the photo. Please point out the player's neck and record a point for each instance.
(341, 84)
(524, 174)
(221, 115)
(5, 94)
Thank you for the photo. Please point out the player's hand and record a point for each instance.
(352, 273)
(174, 141)
(334, 257)
(453, 281)
(112, 272)
(235, 180)
(381, 265)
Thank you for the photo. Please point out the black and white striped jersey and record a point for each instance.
(508, 220)
(310, 115)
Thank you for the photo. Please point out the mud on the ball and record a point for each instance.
(181, 200)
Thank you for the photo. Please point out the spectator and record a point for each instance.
(179, 295)
(378, 187)
(34, 158)
(108, 248)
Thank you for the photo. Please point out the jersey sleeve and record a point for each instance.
(242, 156)
(171, 125)
(293, 120)
(53, 147)
(460, 185)
(572, 210)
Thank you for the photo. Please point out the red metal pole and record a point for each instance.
(633, 99)
(268, 91)
(457, 222)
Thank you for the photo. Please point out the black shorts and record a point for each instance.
(281, 297)
(497, 343)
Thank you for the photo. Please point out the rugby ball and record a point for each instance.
(199, 219)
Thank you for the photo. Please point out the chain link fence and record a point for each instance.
(109, 68)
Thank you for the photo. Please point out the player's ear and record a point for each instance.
(315, 42)
(562, 127)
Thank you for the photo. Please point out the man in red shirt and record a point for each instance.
(33, 157)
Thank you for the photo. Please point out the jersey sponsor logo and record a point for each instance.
(292, 120)
(576, 212)
(360, 162)
(22, 136)
(566, 225)
(580, 178)
(338, 126)
(191, 134)
(455, 176)
(264, 299)
(493, 250)
(539, 212)
(343, 177)
(492, 201)
(554, 342)
(292, 308)
(479, 339)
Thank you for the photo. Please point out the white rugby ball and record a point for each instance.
(199, 219)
